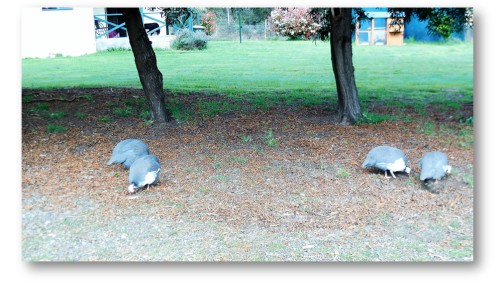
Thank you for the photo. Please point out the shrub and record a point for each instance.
(187, 40)
(295, 23)
(208, 21)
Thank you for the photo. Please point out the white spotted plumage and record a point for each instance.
(434, 165)
(387, 158)
(127, 151)
(144, 172)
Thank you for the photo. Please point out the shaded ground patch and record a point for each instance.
(239, 183)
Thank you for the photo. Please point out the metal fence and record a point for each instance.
(108, 27)
(259, 31)
(113, 25)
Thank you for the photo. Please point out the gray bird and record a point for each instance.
(144, 171)
(434, 165)
(387, 158)
(127, 151)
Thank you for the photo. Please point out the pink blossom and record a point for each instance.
(208, 21)
(293, 22)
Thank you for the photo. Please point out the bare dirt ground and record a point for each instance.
(228, 193)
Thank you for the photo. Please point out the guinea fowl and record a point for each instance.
(434, 165)
(144, 171)
(127, 151)
(387, 158)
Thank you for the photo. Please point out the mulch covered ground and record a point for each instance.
(222, 168)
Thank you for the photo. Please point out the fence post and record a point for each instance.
(239, 21)
(265, 29)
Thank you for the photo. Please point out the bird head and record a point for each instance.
(407, 170)
(132, 188)
(447, 169)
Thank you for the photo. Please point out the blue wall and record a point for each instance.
(417, 29)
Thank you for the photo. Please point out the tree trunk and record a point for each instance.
(343, 69)
(145, 61)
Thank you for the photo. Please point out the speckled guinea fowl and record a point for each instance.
(127, 151)
(143, 172)
(387, 158)
(434, 165)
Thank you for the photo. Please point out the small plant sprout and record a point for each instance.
(55, 129)
(269, 138)
(246, 138)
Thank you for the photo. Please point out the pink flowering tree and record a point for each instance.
(295, 23)
(208, 21)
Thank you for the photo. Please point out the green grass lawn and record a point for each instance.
(286, 69)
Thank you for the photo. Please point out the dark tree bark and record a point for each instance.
(145, 61)
(341, 50)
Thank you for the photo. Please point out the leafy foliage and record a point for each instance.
(324, 15)
(187, 40)
(175, 15)
(441, 21)
(208, 21)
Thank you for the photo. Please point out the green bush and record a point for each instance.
(187, 40)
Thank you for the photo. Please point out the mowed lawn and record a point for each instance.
(299, 69)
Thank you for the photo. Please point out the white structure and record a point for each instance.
(48, 32)
(63, 31)
(103, 43)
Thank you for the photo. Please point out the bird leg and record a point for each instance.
(385, 171)
(392, 174)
